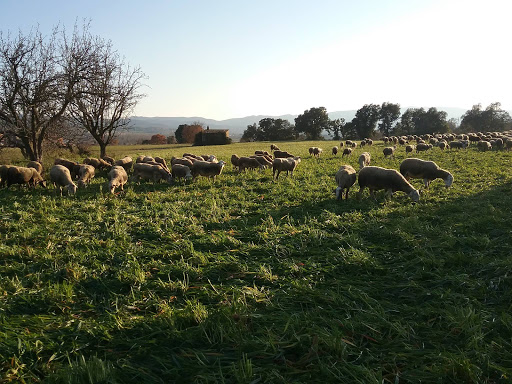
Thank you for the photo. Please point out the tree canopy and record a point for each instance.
(312, 122)
(492, 119)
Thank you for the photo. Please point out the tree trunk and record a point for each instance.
(103, 149)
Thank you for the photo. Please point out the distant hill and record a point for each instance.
(167, 125)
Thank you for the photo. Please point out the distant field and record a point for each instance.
(246, 280)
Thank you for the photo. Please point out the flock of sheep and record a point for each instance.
(72, 175)
(377, 178)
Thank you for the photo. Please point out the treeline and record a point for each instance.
(378, 120)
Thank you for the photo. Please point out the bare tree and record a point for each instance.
(38, 79)
(108, 98)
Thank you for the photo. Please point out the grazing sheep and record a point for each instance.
(3, 174)
(273, 148)
(442, 145)
(180, 171)
(161, 161)
(426, 170)
(364, 160)
(206, 169)
(369, 142)
(263, 160)
(195, 157)
(24, 176)
(117, 178)
(508, 144)
(389, 151)
(151, 172)
(73, 166)
(457, 145)
(234, 160)
(376, 178)
(36, 165)
(409, 148)
(284, 164)
(182, 161)
(423, 147)
(126, 162)
(347, 152)
(311, 151)
(345, 178)
(341, 144)
(249, 163)
(109, 159)
(282, 154)
(60, 176)
(349, 143)
(97, 163)
(484, 145)
(317, 151)
(334, 150)
(139, 159)
(86, 173)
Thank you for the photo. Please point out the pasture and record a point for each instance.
(247, 280)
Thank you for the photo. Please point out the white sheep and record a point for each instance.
(24, 175)
(249, 163)
(423, 147)
(266, 161)
(377, 178)
(389, 151)
(3, 174)
(126, 162)
(180, 171)
(364, 160)
(426, 170)
(347, 152)
(234, 160)
(97, 163)
(410, 148)
(206, 169)
(484, 145)
(282, 154)
(345, 178)
(61, 177)
(151, 172)
(85, 174)
(284, 164)
(117, 178)
(36, 165)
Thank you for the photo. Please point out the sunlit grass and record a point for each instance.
(250, 280)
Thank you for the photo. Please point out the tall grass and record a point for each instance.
(248, 280)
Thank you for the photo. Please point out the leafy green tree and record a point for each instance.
(389, 114)
(312, 122)
(417, 121)
(493, 118)
(336, 128)
(251, 133)
(366, 120)
(349, 130)
(269, 129)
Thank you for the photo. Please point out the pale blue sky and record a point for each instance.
(226, 58)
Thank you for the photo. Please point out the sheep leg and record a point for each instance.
(426, 182)
(346, 193)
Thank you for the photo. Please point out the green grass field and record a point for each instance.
(246, 280)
